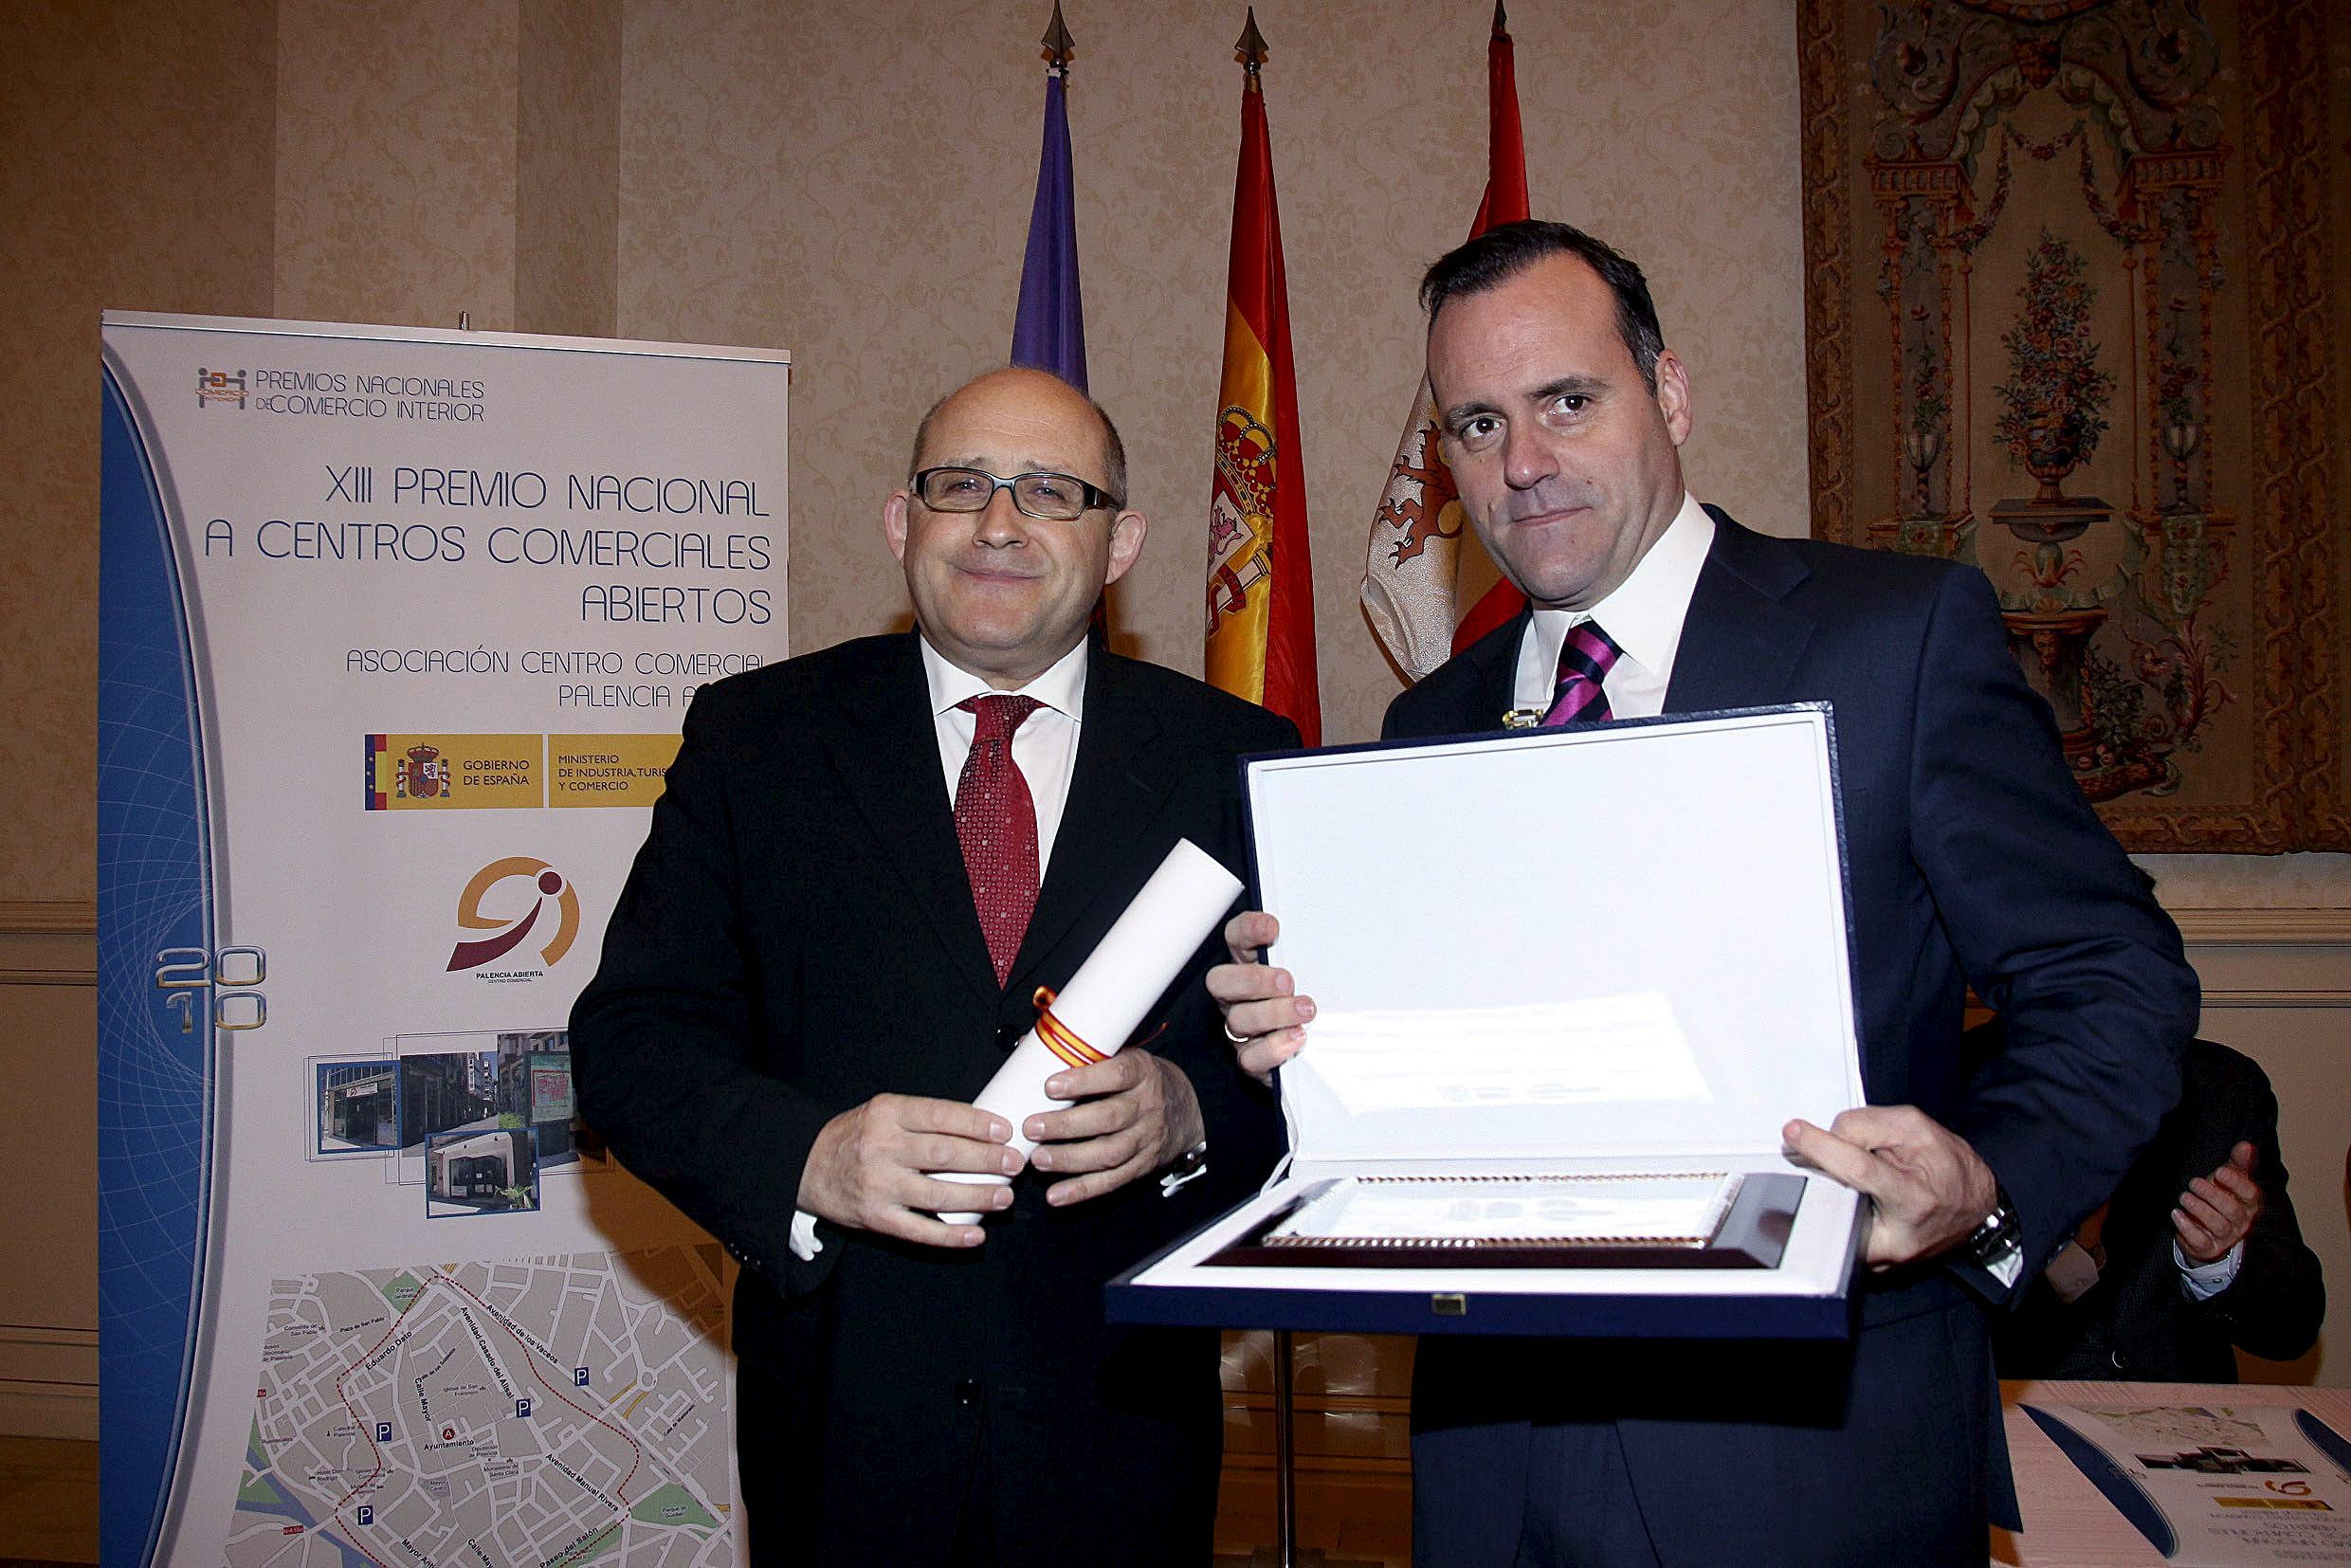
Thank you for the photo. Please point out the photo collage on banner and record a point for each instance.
(397, 628)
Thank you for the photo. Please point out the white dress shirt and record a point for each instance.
(2202, 1281)
(1643, 617)
(1044, 748)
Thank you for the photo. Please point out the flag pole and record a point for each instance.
(1250, 48)
(1058, 46)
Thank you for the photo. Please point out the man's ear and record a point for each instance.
(894, 522)
(1126, 543)
(1673, 396)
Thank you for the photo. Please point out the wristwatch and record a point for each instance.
(1996, 1244)
(1189, 1166)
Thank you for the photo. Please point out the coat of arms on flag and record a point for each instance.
(1427, 591)
(1240, 521)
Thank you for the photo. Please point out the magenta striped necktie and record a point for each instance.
(1585, 659)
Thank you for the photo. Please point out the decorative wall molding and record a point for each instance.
(2216, 996)
(48, 917)
(48, 941)
(23, 973)
(34, 1410)
(2270, 958)
(2264, 927)
(48, 1340)
(48, 1381)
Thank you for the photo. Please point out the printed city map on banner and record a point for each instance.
(549, 1411)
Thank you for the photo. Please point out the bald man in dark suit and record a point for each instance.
(823, 955)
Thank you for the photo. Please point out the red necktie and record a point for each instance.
(997, 821)
(1585, 658)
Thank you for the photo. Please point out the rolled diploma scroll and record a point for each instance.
(1105, 1001)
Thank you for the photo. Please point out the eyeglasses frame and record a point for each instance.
(1096, 499)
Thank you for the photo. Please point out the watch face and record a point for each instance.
(1996, 1236)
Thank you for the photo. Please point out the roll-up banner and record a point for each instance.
(396, 627)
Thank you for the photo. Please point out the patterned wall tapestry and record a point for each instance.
(2069, 295)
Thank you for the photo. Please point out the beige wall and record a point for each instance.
(135, 170)
(567, 216)
(785, 181)
(852, 183)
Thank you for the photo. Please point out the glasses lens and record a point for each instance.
(1055, 497)
(957, 489)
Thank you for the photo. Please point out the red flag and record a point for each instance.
(1260, 641)
(1505, 140)
(1417, 572)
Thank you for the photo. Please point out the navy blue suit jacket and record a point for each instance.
(1974, 859)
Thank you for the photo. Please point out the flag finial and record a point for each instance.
(1250, 47)
(1502, 18)
(1059, 45)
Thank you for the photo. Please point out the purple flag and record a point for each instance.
(1049, 334)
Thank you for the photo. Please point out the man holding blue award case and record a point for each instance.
(1967, 857)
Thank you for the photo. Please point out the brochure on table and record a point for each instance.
(2218, 1483)
(1603, 950)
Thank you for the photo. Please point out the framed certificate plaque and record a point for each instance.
(1570, 985)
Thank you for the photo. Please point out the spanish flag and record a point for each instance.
(1423, 566)
(1260, 577)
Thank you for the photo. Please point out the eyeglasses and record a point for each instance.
(1049, 498)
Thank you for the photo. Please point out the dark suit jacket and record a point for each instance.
(2134, 1323)
(798, 935)
(1973, 858)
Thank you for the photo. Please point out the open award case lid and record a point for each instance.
(1570, 985)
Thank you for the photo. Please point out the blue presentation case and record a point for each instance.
(1614, 949)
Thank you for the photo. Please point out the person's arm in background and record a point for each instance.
(2271, 1302)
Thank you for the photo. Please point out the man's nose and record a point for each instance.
(1000, 522)
(1526, 458)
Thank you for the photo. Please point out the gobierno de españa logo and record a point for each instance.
(513, 933)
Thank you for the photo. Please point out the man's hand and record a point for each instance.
(1265, 1018)
(867, 1168)
(1136, 1112)
(2216, 1212)
(1931, 1189)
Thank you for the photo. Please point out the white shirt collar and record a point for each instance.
(1062, 688)
(1644, 615)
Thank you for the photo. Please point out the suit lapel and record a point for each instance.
(1492, 688)
(1121, 778)
(888, 751)
(1740, 642)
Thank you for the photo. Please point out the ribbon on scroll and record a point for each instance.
(1136, 959)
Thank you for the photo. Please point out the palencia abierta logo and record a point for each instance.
(511, 934)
